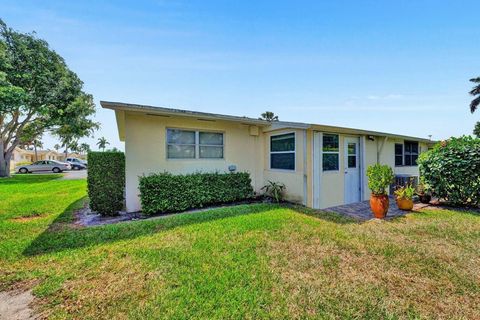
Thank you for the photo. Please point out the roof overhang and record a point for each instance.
(121, 108)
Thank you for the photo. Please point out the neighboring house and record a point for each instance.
(20, 155)
(321, 166)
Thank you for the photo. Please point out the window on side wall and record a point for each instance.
(191, 144)
(406, 154)
(210, 145)
(398, 154)
(411, 153)
(282, 151)
(330, 152)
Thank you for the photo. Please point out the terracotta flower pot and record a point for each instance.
(379, 205)
(405, 204)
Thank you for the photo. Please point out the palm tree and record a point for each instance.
(74, 146)
(37, 144)
(56, 147)
(269, 116)
(102, 143)
(85, 148)
(476, 93)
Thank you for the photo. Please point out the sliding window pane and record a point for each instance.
(210, 152)
(284, 142)
(330, 143)
(330, 161)
(175, 136)
(181, 152)
(211, 138)
(285, 161)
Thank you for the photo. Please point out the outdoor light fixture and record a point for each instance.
(371, 138)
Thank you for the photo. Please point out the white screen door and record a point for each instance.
(352, 170)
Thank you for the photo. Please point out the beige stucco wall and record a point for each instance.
(293, 179)
(332, 183)
(387, 156)
(145, 146)
(145, 150)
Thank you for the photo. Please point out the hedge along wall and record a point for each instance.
(451, 170)
(106, 181)
(165, 192)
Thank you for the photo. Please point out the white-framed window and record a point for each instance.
(194, 144)
(330, 152)
(406, 154)
(282, 151)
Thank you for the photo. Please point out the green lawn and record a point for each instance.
(249, 261)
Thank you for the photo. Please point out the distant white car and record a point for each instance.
(44, 165)
(76, 161)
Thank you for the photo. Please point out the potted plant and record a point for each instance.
(404, 195)
(423, 194)
(379, 179)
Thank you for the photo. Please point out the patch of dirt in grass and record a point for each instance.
(16, 305)
(27, 218)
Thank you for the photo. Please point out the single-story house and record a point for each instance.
(321, 166)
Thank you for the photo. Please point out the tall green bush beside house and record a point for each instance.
(165, 192)
(451, 170)
(106, 181)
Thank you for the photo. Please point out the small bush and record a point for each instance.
(165, 192)
(275, 190)
(106, 181)
(451, 170)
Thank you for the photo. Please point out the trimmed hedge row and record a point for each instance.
(451, 170)
(165, 192)
(106, 181)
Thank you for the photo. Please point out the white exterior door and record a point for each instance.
(352, 170)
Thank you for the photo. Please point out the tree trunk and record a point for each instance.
(4, 161)
(35, 147)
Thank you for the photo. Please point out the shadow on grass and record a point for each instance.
(63, 235)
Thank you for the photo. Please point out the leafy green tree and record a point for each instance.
(269, 116)
(476, 93)
(38, 93)
(102, 143)
(476, 130)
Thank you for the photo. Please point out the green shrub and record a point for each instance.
(379, 178)
(106, 181)
(275, 190)
(165, 192)
(451, 170)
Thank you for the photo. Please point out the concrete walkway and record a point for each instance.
(361, 210)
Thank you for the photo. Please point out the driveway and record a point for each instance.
(74, 174)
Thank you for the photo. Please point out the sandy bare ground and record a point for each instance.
(15, 305)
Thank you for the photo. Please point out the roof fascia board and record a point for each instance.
(180, 113)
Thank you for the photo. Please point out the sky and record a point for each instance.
(393, 66)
